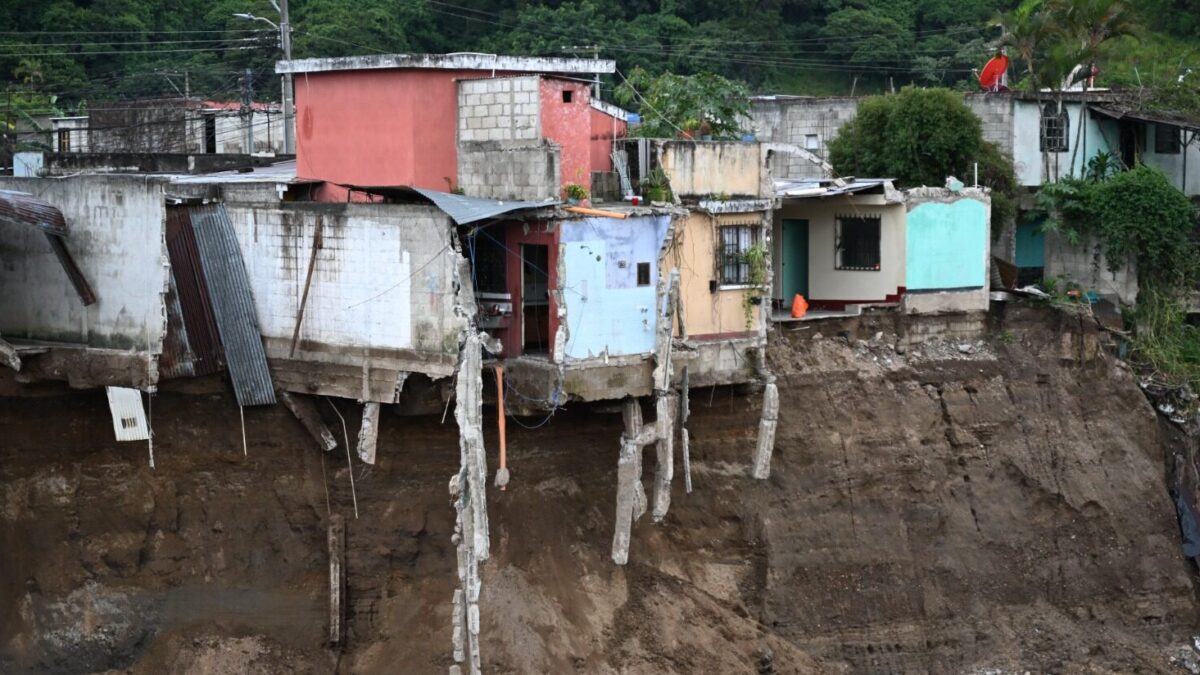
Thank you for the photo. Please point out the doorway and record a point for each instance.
(794, 261)
(535, 299)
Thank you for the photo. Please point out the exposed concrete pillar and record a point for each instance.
(628, 479)
(368, 433)
(468, 490)
(685, 451)
(336, 539)
(666, 406)
(766, 430)
(8, 355)
(305, 410)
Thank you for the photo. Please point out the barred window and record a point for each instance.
(1055, 128)
(731, 260)
(1166, 139)
(857, 243)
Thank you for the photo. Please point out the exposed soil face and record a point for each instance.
(940, 510)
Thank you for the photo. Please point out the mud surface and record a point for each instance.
(998, 509)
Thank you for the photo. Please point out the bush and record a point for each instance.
(919, 137)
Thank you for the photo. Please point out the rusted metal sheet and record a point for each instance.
(233, 304)
(199, 325)
(25, 209)
(177, 359)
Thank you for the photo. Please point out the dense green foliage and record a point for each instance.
(1136, 213)
(700, 105)
(59, 54)
(919, 137)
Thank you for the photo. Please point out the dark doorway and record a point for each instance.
(1131, 144)
(535, 298)
(210, 134)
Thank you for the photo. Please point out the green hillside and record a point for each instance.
(62, 54)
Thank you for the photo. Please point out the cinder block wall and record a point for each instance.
(382, 286)
(793, 120)
(499, 109)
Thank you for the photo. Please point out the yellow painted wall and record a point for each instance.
(712, 167)
(827, 283)
(693, 252)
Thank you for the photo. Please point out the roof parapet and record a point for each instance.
(461, 61)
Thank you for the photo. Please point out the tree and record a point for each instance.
(701, 104)
(919, 137)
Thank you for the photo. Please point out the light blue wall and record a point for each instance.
(947, 245)
(606, 309)
(1034, 167)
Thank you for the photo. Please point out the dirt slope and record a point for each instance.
(934, 511)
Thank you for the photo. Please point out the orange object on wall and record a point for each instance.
(799, 306)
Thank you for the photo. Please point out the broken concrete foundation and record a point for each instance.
(766, 430)
(305, 410)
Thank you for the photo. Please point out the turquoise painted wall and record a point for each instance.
(606, 310)
(1031, 244)
(947, 245)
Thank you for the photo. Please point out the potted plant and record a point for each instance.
(655, 186)
(575, 193)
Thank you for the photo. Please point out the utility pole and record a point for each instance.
(285, 36)
(248, 109)
(595, 50)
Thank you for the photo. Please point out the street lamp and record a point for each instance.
(285, 40)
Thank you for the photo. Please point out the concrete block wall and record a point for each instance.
(499, 109)
(382, 289)
(792, 120)
(528, 170)
(1087, 265)
(117, 227)
(995, 112)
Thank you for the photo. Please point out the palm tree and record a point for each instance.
(1026, 29)
(1085, 26)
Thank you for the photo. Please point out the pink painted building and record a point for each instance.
(400, 120)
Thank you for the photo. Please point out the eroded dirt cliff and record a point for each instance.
(996, 507)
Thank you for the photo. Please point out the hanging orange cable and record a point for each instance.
(502, 472)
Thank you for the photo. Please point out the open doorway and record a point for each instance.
(535, 299)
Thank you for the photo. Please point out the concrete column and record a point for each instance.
(368, 433)
(766, 430)
(666, 405)
(628, 479)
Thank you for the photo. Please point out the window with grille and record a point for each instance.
(1166, 139)
(64, 140)
(857, 242)
(732, 265)
(1055, 129)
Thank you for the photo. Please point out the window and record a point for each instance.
(732, 265)
(1166, 139)
(643, 274)
(857, 242)
(64, 140)
(210, 134)
(812, 142)
(567, 94)
(1055, 129)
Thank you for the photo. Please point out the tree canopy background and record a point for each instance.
(63, 53)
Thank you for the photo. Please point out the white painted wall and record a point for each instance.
(1035, 167)
(1173, 165)
(383, 279)
(117, 236)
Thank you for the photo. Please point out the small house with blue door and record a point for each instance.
(862, 243)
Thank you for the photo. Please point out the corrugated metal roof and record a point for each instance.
(128, 416)
(820, 189)
(463, 209)
(1152, 117)
(233, 304)
(23, 208)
